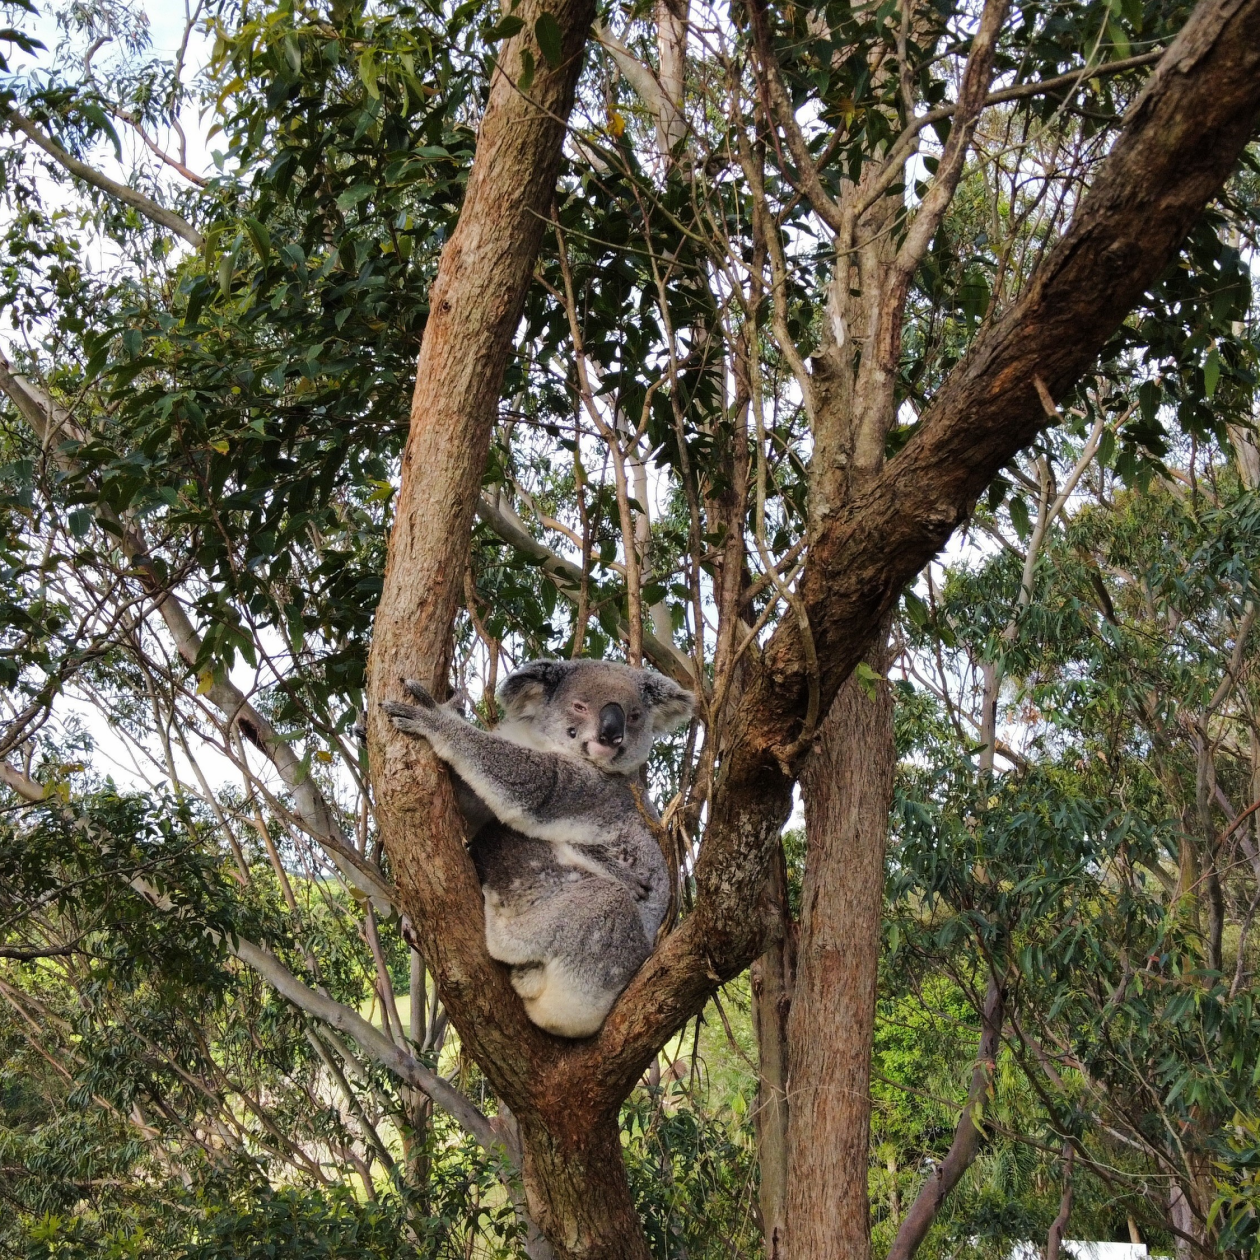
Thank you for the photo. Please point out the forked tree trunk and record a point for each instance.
(847, 789)
(1178, 145)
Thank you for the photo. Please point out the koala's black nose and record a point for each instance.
(612, 724)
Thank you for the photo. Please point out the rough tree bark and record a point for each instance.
(1178, 146)
(574, 1179)
(847, 790)
(773, 978)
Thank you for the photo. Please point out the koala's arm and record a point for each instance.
(538, 793)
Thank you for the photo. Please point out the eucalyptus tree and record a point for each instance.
(712, 361)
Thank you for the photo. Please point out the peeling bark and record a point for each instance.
(773, 976)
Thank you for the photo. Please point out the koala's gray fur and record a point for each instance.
(574, 881)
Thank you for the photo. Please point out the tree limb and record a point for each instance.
(52, 424)
(968, 1134)
(374, 1042)
(642, 78)
(28, 955)
(1181, 141)
(27, 788)
(120, 192)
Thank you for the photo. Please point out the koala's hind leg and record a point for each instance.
(571, 954)
(565, 1000)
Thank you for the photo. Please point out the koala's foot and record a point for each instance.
(420, 692)
(559, 1001)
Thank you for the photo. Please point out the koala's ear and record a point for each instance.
(669, 705)
(526, 690)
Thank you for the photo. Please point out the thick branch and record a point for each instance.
(120, 192)
(670, 125)
(1181, 141)
(827, 209)
(485, 270)
(27, 788)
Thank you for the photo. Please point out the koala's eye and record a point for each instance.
(579, 707)
(635, 715)
(573, 732)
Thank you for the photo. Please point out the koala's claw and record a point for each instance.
(420, 692)
(407, 717)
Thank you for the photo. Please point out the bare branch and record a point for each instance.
(51, 423)
(120, 192)
(27, 788)
(568, 579)
(968, 1134)
(370, 1039)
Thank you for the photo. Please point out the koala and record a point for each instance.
(574, 881)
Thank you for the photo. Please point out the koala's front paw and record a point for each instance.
(640, 886)
(408, 718)
(420, 692)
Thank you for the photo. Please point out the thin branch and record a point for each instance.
(20, 954)
(567, 577)
(51, 423)
(370, 1039)
(967, 1135)
(120, 192)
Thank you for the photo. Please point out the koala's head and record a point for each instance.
(600, 710)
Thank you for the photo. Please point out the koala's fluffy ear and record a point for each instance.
(526, 690)
(669, 705)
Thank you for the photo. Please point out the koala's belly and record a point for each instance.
(520, 869)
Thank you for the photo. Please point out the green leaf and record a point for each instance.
(261, 238)
(1019, 516)
(353, 195)
(96, 115)
(95, 364)
(1211, 373)
(505, 29)
(1106, 448)
(867, 679)
(916, 609)
(369, 74)
(1120, 39)
(550, 39)
(526, 81)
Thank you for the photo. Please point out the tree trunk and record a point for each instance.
(847, 789)
(1180, 143)
(1054, 1240)
(575, 1183)
(772, 982)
